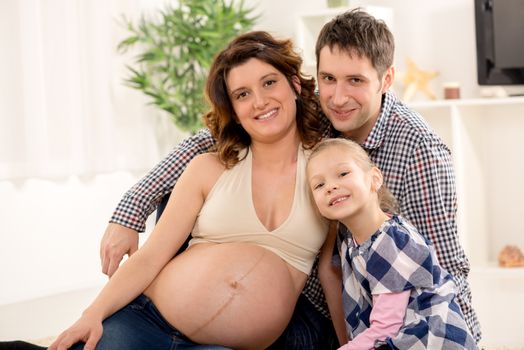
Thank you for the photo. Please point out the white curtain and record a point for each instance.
(64, 109)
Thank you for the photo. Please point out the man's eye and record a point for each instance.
(328, 78)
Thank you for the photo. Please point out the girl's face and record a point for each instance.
(263, 100)
(341, 187)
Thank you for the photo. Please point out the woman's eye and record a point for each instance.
(241, 95)
(270, 82)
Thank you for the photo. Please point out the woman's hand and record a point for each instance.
(86, 329)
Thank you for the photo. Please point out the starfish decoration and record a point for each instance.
(416, 79)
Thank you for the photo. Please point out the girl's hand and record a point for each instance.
(86, 329)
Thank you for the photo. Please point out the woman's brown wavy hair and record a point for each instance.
(231, 136)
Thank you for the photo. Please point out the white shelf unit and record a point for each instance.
(310, 24)
(485, 138)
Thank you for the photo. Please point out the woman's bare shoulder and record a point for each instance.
(205, 169)
(207, 161)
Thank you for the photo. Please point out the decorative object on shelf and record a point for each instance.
(511, 256)
(175, 51)
(337, 3)
(451, 90)
(416, 79)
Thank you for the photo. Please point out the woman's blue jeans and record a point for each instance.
(140, 326)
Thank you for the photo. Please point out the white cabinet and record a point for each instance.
(486, 138)
(310, 24)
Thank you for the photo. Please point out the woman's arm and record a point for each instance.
(142, 199)
(330, 277)
(129, 218)
(141, 268)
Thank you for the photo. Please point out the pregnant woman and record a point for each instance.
(255, 231)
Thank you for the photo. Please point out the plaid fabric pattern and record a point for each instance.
(395, 259)
(417, 169)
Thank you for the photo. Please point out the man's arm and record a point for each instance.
(129, 217)
(430, 203)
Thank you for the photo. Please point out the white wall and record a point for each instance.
(50, 233)
(50, 230)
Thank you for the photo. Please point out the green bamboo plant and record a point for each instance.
(175, 51)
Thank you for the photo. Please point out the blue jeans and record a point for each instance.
(139, 326)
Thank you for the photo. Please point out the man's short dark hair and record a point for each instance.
(357, 32)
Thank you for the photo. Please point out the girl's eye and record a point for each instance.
(318, 186)
(344, 173)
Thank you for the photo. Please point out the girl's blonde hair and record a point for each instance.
(387, 201)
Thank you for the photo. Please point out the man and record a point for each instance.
(355, 70)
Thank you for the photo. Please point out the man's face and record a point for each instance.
(350, 91)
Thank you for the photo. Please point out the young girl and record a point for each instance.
(395, 295)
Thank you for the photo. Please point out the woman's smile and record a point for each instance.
(268, 115)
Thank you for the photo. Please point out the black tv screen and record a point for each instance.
(499, 28)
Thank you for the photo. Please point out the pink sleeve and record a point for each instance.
(386, 318)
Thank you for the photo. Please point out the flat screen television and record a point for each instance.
(499, 31)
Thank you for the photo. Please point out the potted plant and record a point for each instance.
(175, 51)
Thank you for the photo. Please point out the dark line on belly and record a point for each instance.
(231, 297)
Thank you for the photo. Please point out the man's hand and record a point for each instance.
(118, 241)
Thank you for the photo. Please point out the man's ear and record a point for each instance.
(387, 79)
(296, 84)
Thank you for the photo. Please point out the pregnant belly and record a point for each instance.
(235, 294)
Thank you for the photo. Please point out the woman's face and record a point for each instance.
(263, 100)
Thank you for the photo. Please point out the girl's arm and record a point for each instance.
(330, 277)
(385, 320)
(142, 267)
